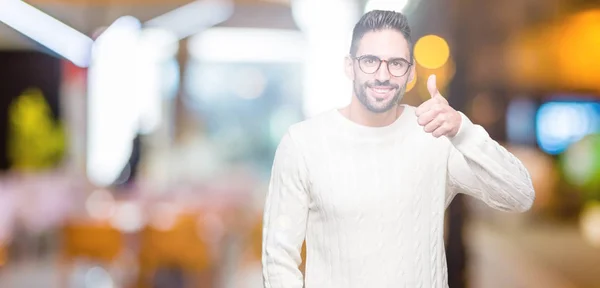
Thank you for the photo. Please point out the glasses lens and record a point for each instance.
(369, 64)
(398, 67)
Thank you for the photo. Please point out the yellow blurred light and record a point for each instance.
(589, 223)
(444, 75)
(577, 47)
(432, 51)
(559, 56)
(528, 59)
(35, 139)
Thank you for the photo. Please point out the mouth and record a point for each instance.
(381, 92)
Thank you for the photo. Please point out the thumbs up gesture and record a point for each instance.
(435, 115)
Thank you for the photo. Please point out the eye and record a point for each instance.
(370, 60)
(398, 63)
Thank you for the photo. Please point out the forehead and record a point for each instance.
(385, 43)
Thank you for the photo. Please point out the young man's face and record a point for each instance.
(379, 90)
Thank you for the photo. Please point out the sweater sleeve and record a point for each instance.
(285, 217)
(480, 167)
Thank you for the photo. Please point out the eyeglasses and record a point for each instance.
(370, 64)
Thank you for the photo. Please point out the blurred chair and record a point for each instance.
(94, 241)
(179, 247)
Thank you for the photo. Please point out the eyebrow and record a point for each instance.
(388, 59)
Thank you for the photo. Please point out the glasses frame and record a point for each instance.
(387, 64)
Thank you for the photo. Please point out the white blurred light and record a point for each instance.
(156, 47)
(164, 216)
(314, 16)
(389, 5)
(325, 85)
(46, 30)
(247, 45)
(158, 44)
(251, 83)
(128, 217)
(112, 120)
(125, 93)
(100, 205)
(193, 17)
(98, 277)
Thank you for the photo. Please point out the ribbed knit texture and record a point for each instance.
(370, 201)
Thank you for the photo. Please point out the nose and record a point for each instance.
(383, 74)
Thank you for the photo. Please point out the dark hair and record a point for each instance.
(378, 20)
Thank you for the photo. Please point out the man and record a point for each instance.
(366, 186)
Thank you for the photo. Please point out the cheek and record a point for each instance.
(360, 77)
(401, 81)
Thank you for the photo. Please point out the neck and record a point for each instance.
(359, 114)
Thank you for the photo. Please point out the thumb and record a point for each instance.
(432, 86)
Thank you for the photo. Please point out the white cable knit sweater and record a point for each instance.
(370, 201)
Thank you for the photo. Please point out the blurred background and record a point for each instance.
(137, 137)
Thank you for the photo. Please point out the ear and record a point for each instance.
(349, 67)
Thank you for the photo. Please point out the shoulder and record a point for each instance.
(312, 127)
(300, 140)
(305, 137)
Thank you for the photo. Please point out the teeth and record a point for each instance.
(380, 90)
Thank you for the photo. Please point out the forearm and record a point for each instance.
(492, 173)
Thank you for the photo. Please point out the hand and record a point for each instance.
(436, 116)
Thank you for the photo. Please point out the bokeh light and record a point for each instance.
(561, 123)
(390, 5)
(443, 74)
(410, 85)
(561, 54)
(581, 163)
(577, 48)
(178, 119)
(589, 223)
(431, 51)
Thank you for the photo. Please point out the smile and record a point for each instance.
(380, 92)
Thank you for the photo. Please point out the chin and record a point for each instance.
(380, 107)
